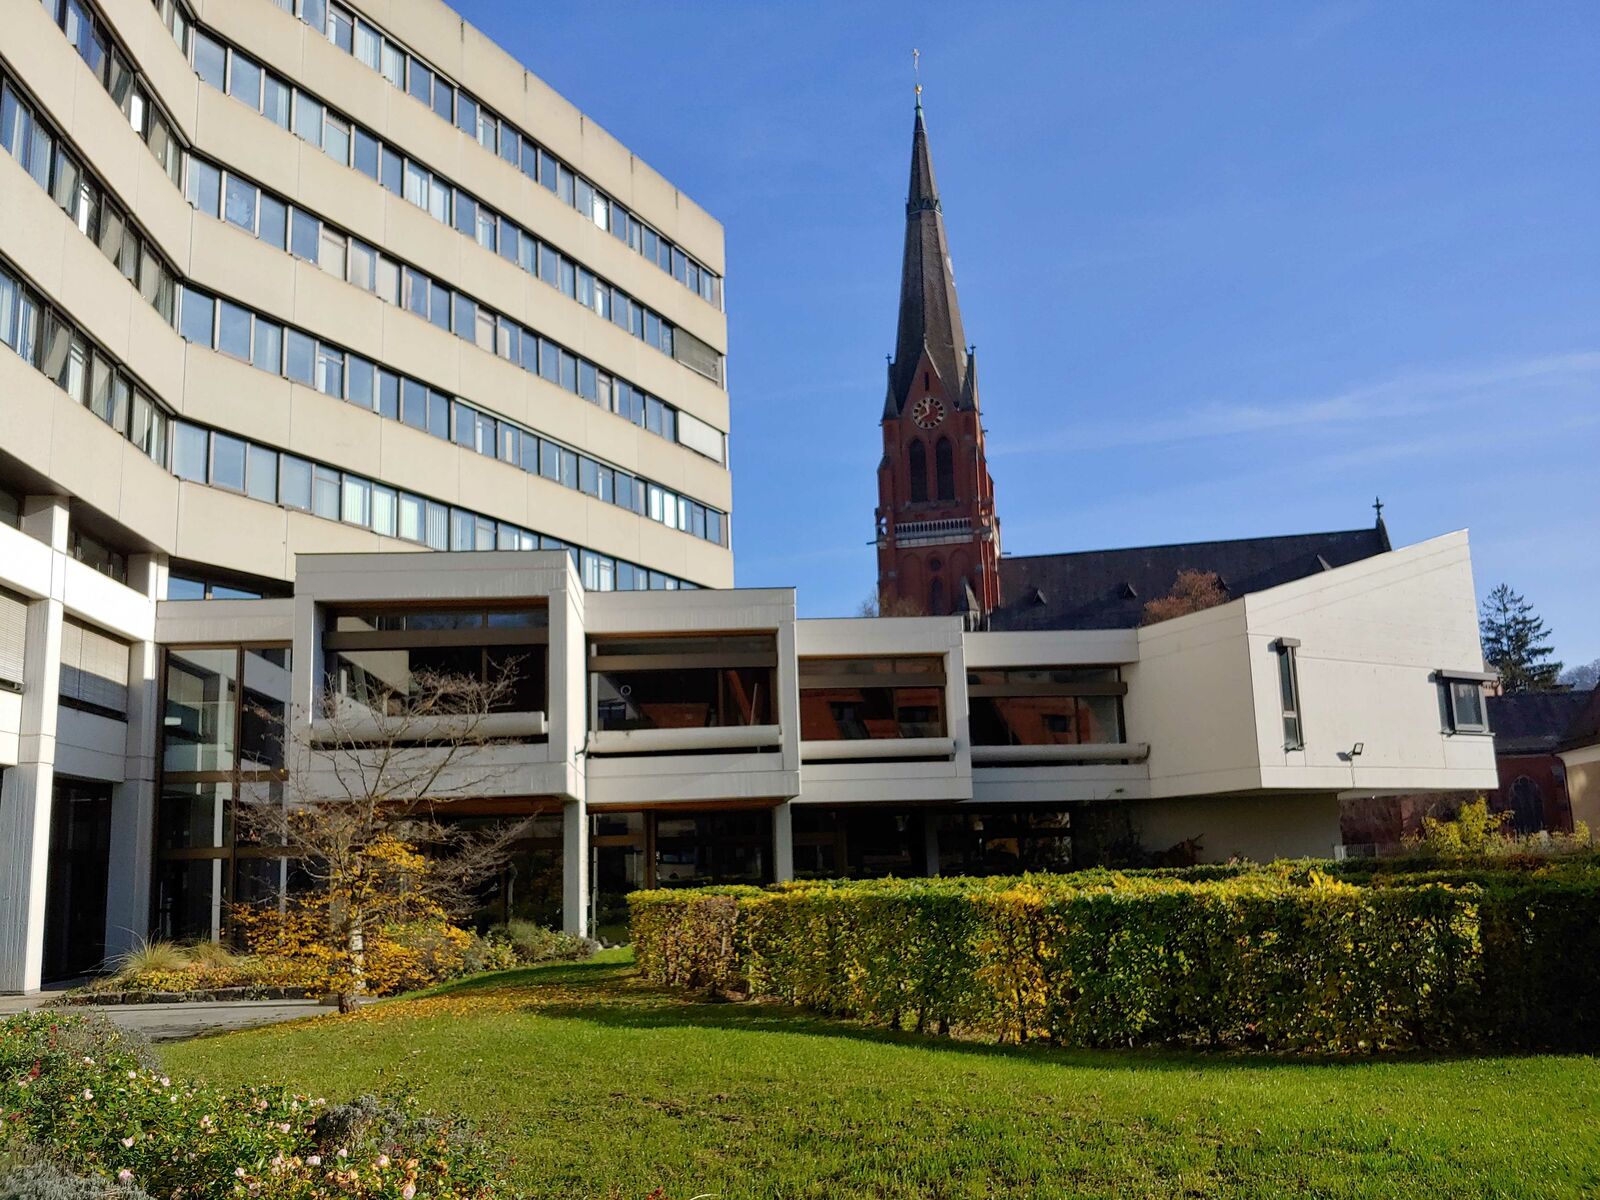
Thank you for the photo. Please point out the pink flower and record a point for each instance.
(87, 1094)
(284, 1127)
(408, 1192)
(313, 1160)
(126, 1142)
(124, 1176)
(239, 1172)
(383, 1160)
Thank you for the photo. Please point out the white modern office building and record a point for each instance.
(294, 292)
(291, 277)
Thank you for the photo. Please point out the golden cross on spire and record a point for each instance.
(916, 71)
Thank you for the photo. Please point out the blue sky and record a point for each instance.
(1231, 269)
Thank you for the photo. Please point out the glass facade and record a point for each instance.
(682, 683)
(1044, 706)
(225, 711)
(848, 699)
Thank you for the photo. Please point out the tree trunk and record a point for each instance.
(356, 944)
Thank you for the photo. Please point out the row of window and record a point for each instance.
(289, 481)
(349, 144)
(47, 341)
(220, 324)
(410, 74)
(66, 358)
(222, 193)
(90, 377)
(91, 38)
(34, 142)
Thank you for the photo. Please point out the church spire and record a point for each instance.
(929, 313)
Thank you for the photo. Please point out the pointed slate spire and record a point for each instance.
(929, 313)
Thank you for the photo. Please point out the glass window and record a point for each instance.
(466, 316)
(488, 129)
(308, 118)
(272, 219)
(419, 81)
(294, 482)
(510, 144)
(189, 452)
(361, 374)
(388, 395)
(330, 370)
(1289, 693)
(341, 29)
(392, 171)
(331, 254)
(315, 14)
(267, 351)
(367, 45)
(466, 114)
(210, 60)
(356, 508)
(439, 305)
(444, 99)
(365, 158)
(305, 235)
(336, 139)
(1466, 709)
(416, 185)
(196, 317)
(299, 356)
(240, 206)
(411, 517)
(275, 96)
(439, 415)
(261, 474)
(205, 186)
(363, 270)
(466, 214)
(227, 462)
(325, 491)
(233, 329)
(394, 64)
(383, 510)
(245, 82)
(414, 404)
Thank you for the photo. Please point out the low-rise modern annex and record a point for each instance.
(348, 302)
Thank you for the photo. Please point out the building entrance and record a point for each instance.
(75, 892)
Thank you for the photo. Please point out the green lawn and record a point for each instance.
(597, 1085)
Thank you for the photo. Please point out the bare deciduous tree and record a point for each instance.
(364, 790)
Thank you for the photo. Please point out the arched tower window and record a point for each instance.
(918, 459)
(936, 598)
(944, 466)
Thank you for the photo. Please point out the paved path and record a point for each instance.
(173, 1022)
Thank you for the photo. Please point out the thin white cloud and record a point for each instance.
(1411, 393)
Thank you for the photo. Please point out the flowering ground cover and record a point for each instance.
(589, 1083)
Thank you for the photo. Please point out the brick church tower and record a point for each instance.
(937, 533)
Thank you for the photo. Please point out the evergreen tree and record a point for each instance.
(1516, 642)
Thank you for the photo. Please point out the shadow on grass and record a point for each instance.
(608, 992)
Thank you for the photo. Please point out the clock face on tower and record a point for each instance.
(927, 412)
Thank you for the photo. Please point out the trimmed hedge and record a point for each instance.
(1286, 958)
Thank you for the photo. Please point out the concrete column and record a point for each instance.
(133, 802)
(575, 867)
(930, 840)
(25, 799)
(783, 842)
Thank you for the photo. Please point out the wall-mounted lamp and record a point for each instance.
(1355, 751)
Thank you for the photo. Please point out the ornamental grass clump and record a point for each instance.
(84, 1102)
